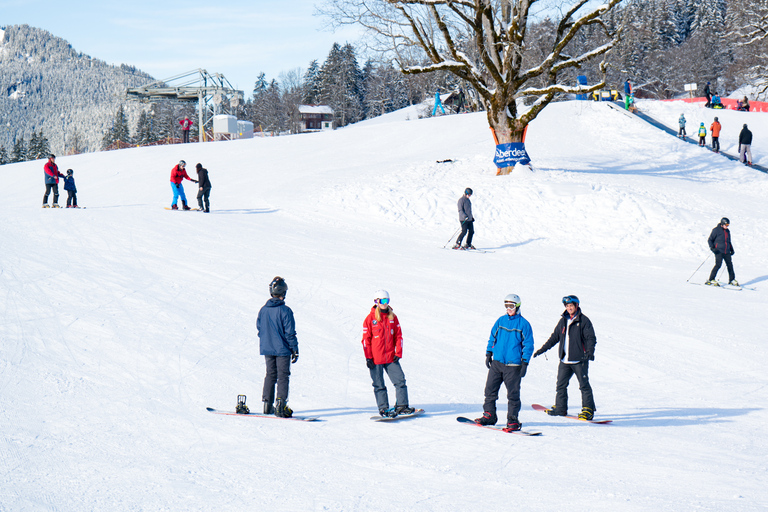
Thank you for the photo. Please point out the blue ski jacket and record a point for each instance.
(277, 329)
(511, 340)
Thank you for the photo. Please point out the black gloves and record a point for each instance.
(294, 356)
(488, 359)
(395, 359)
(523, 369)
(538, 352)
(369, 363)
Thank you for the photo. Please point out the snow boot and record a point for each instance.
(268, 408)
(553, 411)
(586, 414)
(174, 207)
(712, 282)
(403, 409)
(282, 410)
(185, 207)
(488, 418)
(387, 413)
(513, 425)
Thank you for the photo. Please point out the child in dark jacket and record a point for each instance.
(69, 186)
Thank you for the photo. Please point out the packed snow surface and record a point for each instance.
(120, 323)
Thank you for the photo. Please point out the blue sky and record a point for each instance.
(238, 38)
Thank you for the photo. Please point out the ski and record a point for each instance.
(724, 286)
(544, 410)
(417, 412)
(253, 414)
(482, 251)
(462, 419)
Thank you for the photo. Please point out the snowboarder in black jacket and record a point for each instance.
(576, 339)
(204, 190)
(720, 244)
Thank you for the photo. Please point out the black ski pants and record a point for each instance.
(510, 376)
(51, 187)
(203, 195)
(564, 374)
(278, 372)
(468, 229)
(715, 143)
(71, 198)
(719, 257)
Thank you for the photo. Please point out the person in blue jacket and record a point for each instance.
(509, 349)
(69, 186)
(277, 340)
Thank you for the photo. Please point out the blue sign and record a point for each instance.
(507, 155)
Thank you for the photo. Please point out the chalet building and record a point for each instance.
(315, 118)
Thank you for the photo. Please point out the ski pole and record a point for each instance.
(697, 269)
(453, 235)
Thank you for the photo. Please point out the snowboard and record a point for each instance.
(256, 415)
(179, 209)
(544, 410)
(417, 412)
(462, 419)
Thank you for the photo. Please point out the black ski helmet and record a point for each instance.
(278, 288)
(468, 191)
(724, 221)
(70, 171)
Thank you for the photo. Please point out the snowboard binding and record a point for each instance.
(241, 407)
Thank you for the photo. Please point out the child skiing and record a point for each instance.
(702, 135)
(383, 349)
(69, 186)
(277, 341)
(506, 356)
(681, 122)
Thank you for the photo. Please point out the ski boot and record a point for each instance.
(586, 414)
(268, 407)
(45, 205)
(513, 425)
(241, 407)
(734, 283)
(469, 247)
(488, 418)
(554, 411)
(712, 282)
(55, 205)
(456, 246)
(403, 409)
(282, 410)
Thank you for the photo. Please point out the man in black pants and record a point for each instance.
(720, 244)
(576, 337)
(204, 191)
(467, 221)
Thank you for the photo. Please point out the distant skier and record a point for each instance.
(278, 344)
(720, 244)
(715, 130)
(681, 122)
(186, 125)
(52, 176)
(204, 190)
(507, 354)
(467, 220)
(69, 186)
(179, 174)
(576, 339)
(702, 135)
(627, 93)
(708, 94)
(745, 146)
(383, 349)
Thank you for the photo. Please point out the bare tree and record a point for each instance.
(747, 22)
(483, 42)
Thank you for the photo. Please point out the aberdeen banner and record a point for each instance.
(507, 155)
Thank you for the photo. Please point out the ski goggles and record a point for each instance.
(571, 299)
(382, 301)
(511, 305)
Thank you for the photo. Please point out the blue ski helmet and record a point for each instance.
(570, 299)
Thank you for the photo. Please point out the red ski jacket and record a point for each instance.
(179, 174)
(186, 123)
(52, 173)
(382, 340)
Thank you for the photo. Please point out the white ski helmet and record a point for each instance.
(380, 294)
(513, 299)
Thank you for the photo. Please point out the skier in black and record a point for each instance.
(467, 221)
(576, 337)
(204, 191)
(720, 244)
(277, 339)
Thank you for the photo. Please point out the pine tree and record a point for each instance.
(312, 84)
(19, 152)
(340, 84)
(4, 159)
(121, 133)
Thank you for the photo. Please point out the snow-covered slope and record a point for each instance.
(121, 322)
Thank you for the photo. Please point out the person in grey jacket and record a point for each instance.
(467, 221)
(277, 340)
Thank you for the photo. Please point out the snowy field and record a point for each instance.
(121, 322)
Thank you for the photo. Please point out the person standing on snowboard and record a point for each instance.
(179, 174)
(507, 355)
(466, 219)
(278, 344)
(204, 192)
(576, 339)
(720, 244)
(383, 349)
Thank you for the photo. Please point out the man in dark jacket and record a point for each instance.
(204, 191)
(576, 339)
(708, 94)
(466, 219)
(745, 145)
(278, 344)
(52, 176)
(720, 244)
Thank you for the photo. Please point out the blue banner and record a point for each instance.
(507, 155)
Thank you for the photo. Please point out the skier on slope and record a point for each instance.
(69, 186)
(278, 344)
(702, 135)
(383, 349)
(466, 219)
(720, 244)
(52, 176)
(179, 174)
(576, 339)
(715, 130)
(507, 354)
(681, 133)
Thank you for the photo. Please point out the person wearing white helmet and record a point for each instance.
(507, 355)
(383, 349)
(179, 174)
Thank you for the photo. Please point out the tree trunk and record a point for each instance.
(505, 130)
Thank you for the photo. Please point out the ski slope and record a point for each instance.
(120, 323)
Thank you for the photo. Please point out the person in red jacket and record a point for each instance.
(383, 348)
(52, 176)
(179, 174)
(715, 130)
(186, 124)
